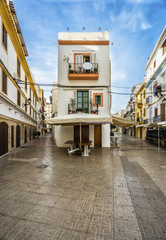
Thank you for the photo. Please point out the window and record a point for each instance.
(4, 82)
(98, 99)
(18, 98)
(30, 111)
(26, 106)
(18, 68)
(12, 136)
(83, 101)
(25, 83)
(4, 36)
(144, 112)
(154, 64)
(144, 94)
(30, 91)
(164, 47)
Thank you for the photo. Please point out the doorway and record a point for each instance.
(3, 138)
(84, 133)
(17, 136)
(97, 135)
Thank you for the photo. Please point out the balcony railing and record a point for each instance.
(139, 104)
(148, 120)
(149, 100)
(78, 71)
(140, 120)
(90, 110)
(159, 118)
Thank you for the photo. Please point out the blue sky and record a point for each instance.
(134, 26)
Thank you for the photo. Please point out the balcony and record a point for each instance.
(148, 120)
(149, 100)
(72, 109)
(157, 91)
(140, 120)
(159, 118)
(83, 71)
(139, 104)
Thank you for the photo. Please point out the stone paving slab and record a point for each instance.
(114, 194)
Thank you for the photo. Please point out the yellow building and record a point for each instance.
(141, 111)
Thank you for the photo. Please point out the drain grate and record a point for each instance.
(42, 166)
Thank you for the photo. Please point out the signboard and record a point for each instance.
(87, 65)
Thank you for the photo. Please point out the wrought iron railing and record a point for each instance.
(78, 68)
(159, 118)
(148, 99)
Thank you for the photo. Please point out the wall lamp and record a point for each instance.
(28, 102)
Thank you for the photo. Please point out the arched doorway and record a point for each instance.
(25, 135)
(17, 136)
(3, 138)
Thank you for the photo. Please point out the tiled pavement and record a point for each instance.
(117, 193)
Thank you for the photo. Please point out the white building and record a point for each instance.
(18, 95)
(156, 82)
(84, 80)
(48, 113)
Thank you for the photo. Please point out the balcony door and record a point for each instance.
(83, 101)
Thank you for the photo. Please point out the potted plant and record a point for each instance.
(72, 104)
(91, 105)
(71, 71)
(95, 70)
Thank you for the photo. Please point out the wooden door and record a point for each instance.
(17, 136)
(84, 132)
(97, 135)
(3, 138)
(162, 108)
(25, 135)
(140, 132)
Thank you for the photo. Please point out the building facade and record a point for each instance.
(156, 82)
(141, 111)
(18, 95)
(84, 80)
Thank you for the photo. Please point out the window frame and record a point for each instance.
(2, 83)
(18, 98)
(18, 68)
(26, 83)
(94, 97)
(2, 37)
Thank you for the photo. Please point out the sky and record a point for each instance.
(134, 26)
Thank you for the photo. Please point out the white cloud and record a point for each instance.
(142, 1)
(99, 5)
(133, 21)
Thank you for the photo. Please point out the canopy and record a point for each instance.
(90, 119)
(123, 122)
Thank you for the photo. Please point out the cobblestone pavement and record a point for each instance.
(117, 193)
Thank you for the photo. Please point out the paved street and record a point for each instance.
(117, 193)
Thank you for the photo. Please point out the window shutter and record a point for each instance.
(18, 68)
(4, 35)
(25, 83)
(4, 83)
(18, 98)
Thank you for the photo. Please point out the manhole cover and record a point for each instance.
(42, 166)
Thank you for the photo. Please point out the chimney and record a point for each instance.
(144, 78)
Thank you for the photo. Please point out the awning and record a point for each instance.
(73, 119)
(123, 122)
(90, 119)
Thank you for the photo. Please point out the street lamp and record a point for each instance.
(28, 102)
